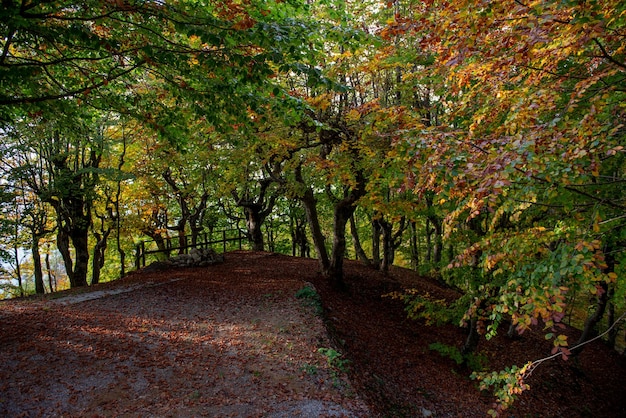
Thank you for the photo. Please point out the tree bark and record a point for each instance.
(473, 337)
(310, 209)
(376, 233)
(253, 223)
(343, 212)
(299, 242)
(63, 245)
(602, 300)
(358, 249)
(16, 254)
(415, 255)
(437, 224)
(80, 242)
(391, 241)
(256, 210)
(51, 278)
(99, 251)
(429, 248)
(37, 270)
(589, 330)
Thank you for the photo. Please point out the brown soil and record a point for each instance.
(233, 340)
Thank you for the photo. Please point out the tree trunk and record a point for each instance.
(343, 212)
(63, 245)
(37, 270)
(602, 301)
(438, 244)
(589, 330)
(18, 269)
(376, 243)
(471, 342)
(118, 218)
(51, 278)
(385, 229)
(429, 247)
(391, 241)
(344, 209)
(122, 253)
(310, 208)
(299, 243)
(271, 239)
(99, 256)
(182, 239)
(80, 242)
(358, 249)
(253, 224)
(415, 255)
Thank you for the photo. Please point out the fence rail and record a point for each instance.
(182, 244)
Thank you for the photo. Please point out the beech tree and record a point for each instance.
(530, 145)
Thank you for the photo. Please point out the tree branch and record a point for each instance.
(608, 56)
(5, 101)
(536, 363)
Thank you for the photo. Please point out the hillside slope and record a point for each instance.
(233, 340)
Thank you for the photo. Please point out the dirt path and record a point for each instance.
(193, 345)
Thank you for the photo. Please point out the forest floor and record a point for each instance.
(233, 339)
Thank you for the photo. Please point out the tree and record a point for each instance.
(62, 168)
(530, 146)
(10, 266)
(36, 220)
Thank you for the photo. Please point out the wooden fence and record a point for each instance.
(222, 239)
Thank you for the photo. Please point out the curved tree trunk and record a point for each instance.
(63, 245)
(99, 256)
(358, 249)
(310, 208)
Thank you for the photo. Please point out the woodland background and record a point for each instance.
(481, 143)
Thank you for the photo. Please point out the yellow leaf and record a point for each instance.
(353, 115)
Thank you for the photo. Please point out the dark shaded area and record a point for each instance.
(399, 376)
